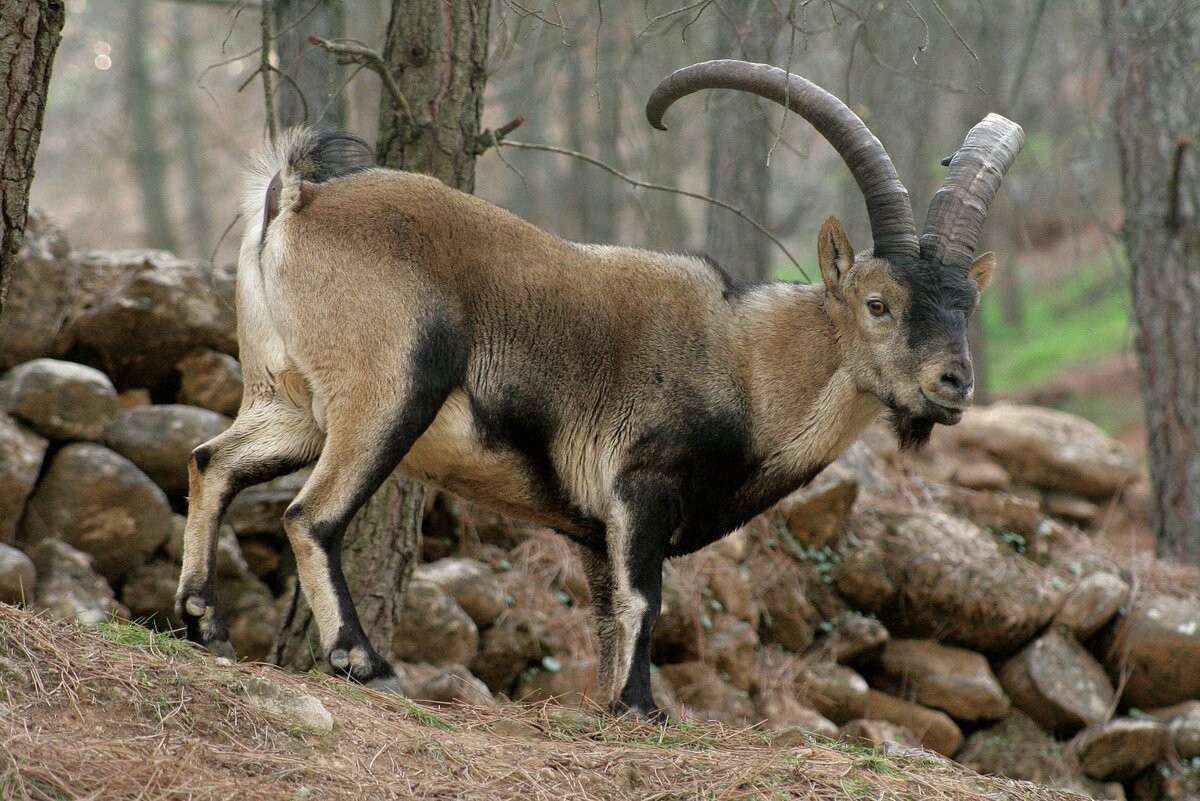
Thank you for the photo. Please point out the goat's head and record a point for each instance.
(901, 310)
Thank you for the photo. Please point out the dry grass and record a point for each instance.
(116, 713)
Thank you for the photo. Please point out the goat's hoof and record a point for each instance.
(388, 685)
(221, 648)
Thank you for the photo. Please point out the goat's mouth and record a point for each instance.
(941, 411)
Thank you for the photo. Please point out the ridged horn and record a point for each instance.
(959, 208)
(892, 227)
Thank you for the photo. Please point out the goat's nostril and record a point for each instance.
(954, 380)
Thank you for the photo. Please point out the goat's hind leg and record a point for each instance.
(269, 438)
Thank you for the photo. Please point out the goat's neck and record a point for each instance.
(807, 407)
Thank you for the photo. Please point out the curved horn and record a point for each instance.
(959, 207)
(892, 226)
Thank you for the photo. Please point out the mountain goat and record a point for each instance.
(640, 403)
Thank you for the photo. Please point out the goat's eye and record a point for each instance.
(877, 307)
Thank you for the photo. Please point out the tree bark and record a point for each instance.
(146, 158)
(741, 137)
(437, 52)
(1153, 50)
(29, 36)
(313, 93)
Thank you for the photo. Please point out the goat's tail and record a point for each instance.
(299, 154)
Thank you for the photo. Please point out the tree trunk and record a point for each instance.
(146, 157)
(741, 137)
(437, 53)
(191, 154)
(1152, 53)
(29, 35)
(313, 93)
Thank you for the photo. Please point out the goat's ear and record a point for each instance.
(980, 270)
(835, 255)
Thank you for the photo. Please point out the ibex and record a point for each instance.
(640, 403)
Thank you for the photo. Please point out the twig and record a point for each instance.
(659, 188)
(348, 52)
(491, 138)
(963, 42)
(238, 4)
(1174, 220)
(1030, 40)
(266, 70)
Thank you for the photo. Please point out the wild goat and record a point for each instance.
(640, 403)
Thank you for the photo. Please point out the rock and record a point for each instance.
(98, 501)
(934, 730)
(210, 380)
(1183, 727)
(707, 695)
(230, 561)
(855, 637)
(734, 546)
(68, 588)
(258, 510)
(954, 680)
(251, 614)
(17, 576)
(451, 685)
(60, 400)
(21, 454)
(164, 309)
(572, 683)
(1119, 749)
(981, 475)
(1017, 748)
(434, 628)
(878, 732)
(132, 398)
(1058, 683)
(783, 712)
(1049, 449)
(160, 439)
(1093, 602)
(727, 588)
(1071, 508)
(998, 511)
(1158, 641)
(43, 281)
(149, 594)
(469, 582)
(815, 514)
(261, 557)
(926, 574)
(733, 648)
(1167, 783)
(788, 618)
(682, 618)
(836, 691)
(304, 712)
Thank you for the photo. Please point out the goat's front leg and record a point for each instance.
(268, 438)
(631, 591)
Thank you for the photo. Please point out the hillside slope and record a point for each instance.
(116, 712)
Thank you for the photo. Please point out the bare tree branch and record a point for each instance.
(658, 188)
(266, 70)
(350, 52)
(238, 4)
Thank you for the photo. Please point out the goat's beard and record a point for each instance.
(911, 431)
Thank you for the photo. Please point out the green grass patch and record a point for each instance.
(135, 635)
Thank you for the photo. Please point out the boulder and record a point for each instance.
(1058, 683)
(1049, 449)
(707, 695)
(816, 514)
(1091, 603)
(68, 588)
(1071, 508)
(149, 594)
(1017, 748)
(783, 712)
(997, 511)
(100, 502)
(469, 582)
(734, 546)
(733, 647)
(434, 628)
(21, 454)
(59, 400)
(854, 637)
(788, 618)
(211, 380)
(570, 683)
(165, 308)
(982, 474)
(1183, 727)
(44, 286)
(160, 439)
(17, 576)
(934, 730)
(295, 711)
(1119, 749)
(926, 574)
(258, 510)
(1167, 782)
(726, 587)
(453, 684)
(954, 680)
(878, 733)
(1158, 642)
(836, 691)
